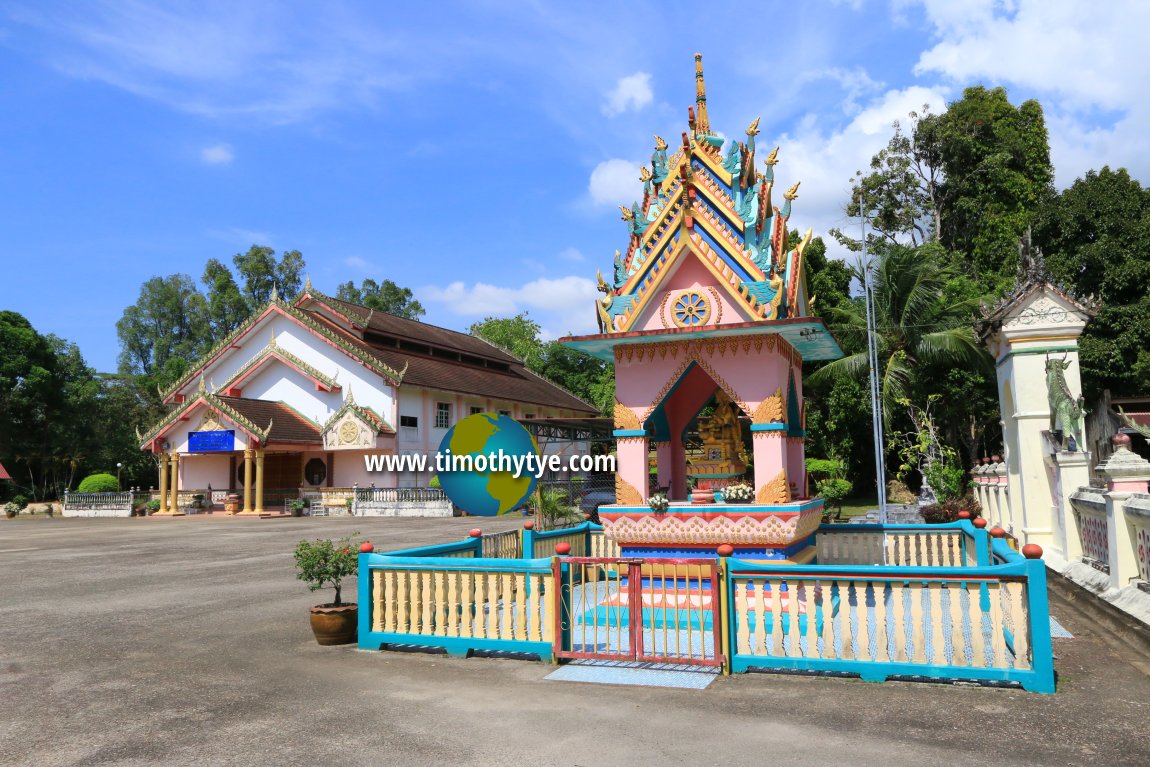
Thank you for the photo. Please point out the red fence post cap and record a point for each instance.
(997, 532)
(1032, 551)
(979, 522)
(475, 532)
(725, 550)
(529, 524)
(563, 549)
(964, 514)
(366, 547)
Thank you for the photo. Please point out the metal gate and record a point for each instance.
(657, 610)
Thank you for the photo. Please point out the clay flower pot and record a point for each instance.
(334, 625)
(702, 496)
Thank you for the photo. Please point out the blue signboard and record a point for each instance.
(211, 441)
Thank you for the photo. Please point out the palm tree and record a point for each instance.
(916, 326)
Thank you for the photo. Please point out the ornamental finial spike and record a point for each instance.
(272, 340)
(628, 214)
(773, 157)
(203, 386)
(275, 293)
(793, 192)
(660, 144)
(307, 284)
(753, 128)
(702, 121)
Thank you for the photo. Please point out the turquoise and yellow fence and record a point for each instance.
(950, 602)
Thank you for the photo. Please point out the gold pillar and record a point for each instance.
(260, 481)
(170, 485)
(248, 481)
(163, 482)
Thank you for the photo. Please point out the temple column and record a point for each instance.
(259, 481)
(663, 463)
(770, 444)
(631, 475)
(247, 481)
(163, 482)
(170, 506)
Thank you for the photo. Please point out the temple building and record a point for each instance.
(707, 320)
(296, 396)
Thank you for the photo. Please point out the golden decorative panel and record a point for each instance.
(771, 409)
(625, 417)
(625, 492)
(775, 491)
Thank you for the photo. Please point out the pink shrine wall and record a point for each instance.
(749, 368)
(690, 274)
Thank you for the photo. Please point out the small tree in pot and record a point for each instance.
(321, 563)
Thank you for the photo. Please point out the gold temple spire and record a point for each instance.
(702, 121)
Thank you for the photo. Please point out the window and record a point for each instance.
(315, 471)
(410, 421)
(528, 416)
(505, 412)
(476, 410)
(442, 415)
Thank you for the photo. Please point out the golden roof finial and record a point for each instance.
(307, 284)
(644, 174)
(628, 214)
(753, 129)
(272, 340)
(702, 121)
(773, 157)
(793, 192)
(660, 144)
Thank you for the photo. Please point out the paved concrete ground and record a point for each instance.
(186, 642)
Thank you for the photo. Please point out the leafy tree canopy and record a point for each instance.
(383, 297)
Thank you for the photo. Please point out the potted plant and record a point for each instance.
(153, 506)
(198, 501)
(11, 509)
(658, 502)
(702, 493)
(321, 563)
(298, 505)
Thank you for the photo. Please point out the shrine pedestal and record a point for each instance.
(774, 532)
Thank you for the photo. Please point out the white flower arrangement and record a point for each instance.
(658, 502)
(740, 493)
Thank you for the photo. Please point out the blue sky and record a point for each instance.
(475, 152)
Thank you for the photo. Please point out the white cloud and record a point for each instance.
(561, 305)
(574, 255)
(632, 92)
(825, 160)
(615, 182)
(219, 154)
(245, 237)
(356, 262)
(1081, 65)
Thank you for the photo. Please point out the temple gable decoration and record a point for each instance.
(352, 427)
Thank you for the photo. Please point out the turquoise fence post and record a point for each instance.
(364, 596)
(1041, 648)
(529, 540)
(476, 542)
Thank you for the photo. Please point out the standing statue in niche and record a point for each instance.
(1065, 410)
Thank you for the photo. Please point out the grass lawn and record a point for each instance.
(856, 507)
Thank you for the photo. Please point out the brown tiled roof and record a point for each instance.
(516, 383)
(411, 330)
(287, 424)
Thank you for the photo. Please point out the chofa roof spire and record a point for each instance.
(702, 121)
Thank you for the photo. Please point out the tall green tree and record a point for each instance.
(1096, 238)
(518, 335)
(383, 297)
(226, 307)
(996, 169)
(165, 330)
(260, 273)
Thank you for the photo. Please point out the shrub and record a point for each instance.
(11, 508)
(324, 562)
(99, 483)
(947, 511)
(434, 482)
(154, 505)
(834, 491)
(21, 501)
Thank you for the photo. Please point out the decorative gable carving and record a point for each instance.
(352, 427)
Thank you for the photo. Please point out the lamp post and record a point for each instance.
(118, 467)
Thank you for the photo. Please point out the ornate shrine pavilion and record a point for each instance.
(708, 312)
